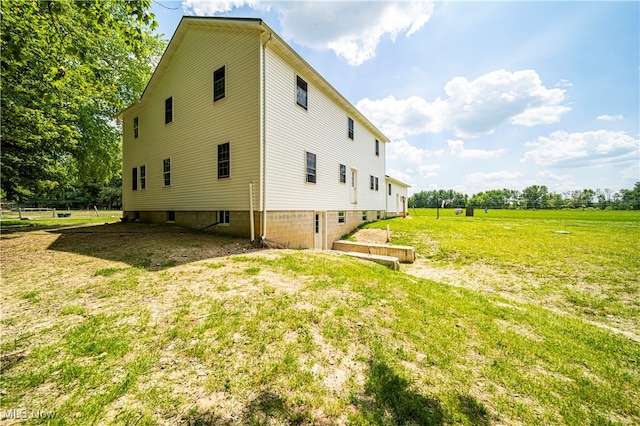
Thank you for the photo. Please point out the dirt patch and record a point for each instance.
(374, 236)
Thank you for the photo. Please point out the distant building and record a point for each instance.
(237, 133)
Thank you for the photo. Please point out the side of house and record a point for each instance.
(324, 161)
(191, 144)
(397, 197)
(237, 134)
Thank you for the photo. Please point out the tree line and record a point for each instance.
(532, 197)
(68, 69)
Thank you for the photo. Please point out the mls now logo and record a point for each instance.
(27, 414)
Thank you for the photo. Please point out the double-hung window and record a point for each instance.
(168, 110)
(311, 168)
(143, 177)
(136, 127)
(350, 128)
(377, 148)
(376, 184)
(343, 173)
(301, 92)
(371, 182)
(224, 157)
(166, 171)
(219, 85)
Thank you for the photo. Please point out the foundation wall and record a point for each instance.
(207, 221)
(292, 229)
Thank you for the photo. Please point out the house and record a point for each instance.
(237, 134)
(397, 197)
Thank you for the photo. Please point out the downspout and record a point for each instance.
(263, 140)
(251, 224)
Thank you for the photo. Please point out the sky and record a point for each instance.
(474, 95)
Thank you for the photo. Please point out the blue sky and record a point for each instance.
(475, 95)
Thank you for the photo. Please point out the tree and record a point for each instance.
(68, 69)
(534, 197)
(631, 197)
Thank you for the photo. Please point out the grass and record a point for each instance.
(305, 337)
(10, 221)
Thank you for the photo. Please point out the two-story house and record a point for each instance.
(235, 132)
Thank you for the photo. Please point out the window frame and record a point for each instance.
(343, 174)
(299, 90)
(311, 171)
(166, 172)
(168, 110)
(224, 217)
(226, 162)
(217, 96)
(143, 176)
(136, 127)
(350, 128)
(377, 148)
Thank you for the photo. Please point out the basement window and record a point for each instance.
(223, 217)
(341, 217)
(171, 216)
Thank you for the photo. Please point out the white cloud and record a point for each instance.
(352, 30)
(406, 159)
(210, 8)
(472, 108)
(456, 148)
(501, 179)
(608, 117)
(583, 149)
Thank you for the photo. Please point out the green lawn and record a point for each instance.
(117, 329)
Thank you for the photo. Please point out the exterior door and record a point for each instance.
(354, 186)
(319, 235)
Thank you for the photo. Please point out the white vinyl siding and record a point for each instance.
(199, 125)
(321, 130)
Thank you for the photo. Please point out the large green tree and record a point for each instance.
(68, 69)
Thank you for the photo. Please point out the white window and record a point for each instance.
(166, 171)
(219, 84)
(223, 217)
(143, 177)
(301, 92)
(311, 167)
(136, 127)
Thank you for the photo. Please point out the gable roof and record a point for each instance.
(268, 36)
(396, 181)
